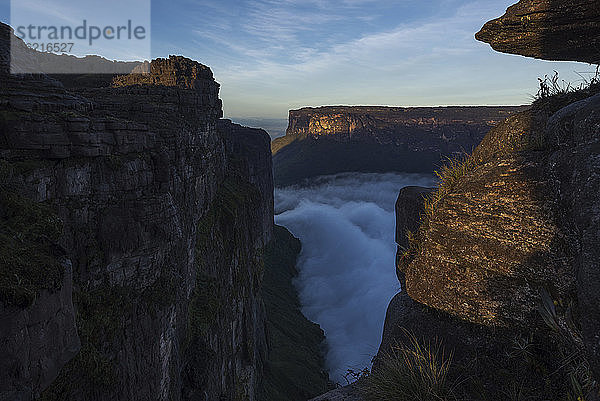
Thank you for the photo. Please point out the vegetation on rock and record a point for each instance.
(411, 371)
(294, 369)
(29, 232)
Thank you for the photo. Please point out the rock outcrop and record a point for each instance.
(567, 30)
(164, 211)
(329, 140)
(506, 255)
(513, 225)
(494, 239)
(498, 235)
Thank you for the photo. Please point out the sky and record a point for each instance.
(274, 55)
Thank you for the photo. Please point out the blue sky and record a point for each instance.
(274, 55)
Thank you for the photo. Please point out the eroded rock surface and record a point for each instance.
(566, 30)
(522, 221)
(495, 240)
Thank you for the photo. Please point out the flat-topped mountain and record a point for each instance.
(329, 140)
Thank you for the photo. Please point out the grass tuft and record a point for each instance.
(449, 175)
(555, 93)
(558, 316)
(413, 371)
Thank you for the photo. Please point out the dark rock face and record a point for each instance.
(162, 211)
(330, 140)
(37, 341)
(247, 147)
(575, 131)
(548, 29)
(409, 208)
(295, 368)
(464, 339)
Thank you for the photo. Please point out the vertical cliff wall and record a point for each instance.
(295, 369)
(163, 214)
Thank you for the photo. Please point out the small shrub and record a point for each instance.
(412, 372)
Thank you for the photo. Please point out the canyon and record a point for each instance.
(134, 224)
(139, 257)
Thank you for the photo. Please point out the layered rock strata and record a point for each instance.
(565, 30)
(164, 213)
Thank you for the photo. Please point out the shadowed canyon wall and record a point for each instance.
(133, 228)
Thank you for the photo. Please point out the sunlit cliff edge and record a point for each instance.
(371, 139)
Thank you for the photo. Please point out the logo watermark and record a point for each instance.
(80, 36)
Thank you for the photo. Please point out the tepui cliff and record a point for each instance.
(334, 139)
(132, 237)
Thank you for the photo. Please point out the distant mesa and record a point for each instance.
(330, 140)
(560, 30)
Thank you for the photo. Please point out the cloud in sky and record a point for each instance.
(273, 55)
(288, 54)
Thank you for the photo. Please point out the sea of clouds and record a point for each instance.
(346, 223)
